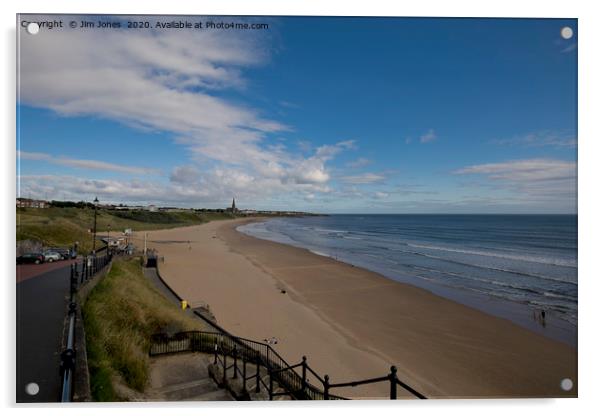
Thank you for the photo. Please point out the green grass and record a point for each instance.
(64, 226)
(120, 315)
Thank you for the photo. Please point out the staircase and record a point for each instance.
(248, 391)
(203, 390)
(183, 377)
(247, 369)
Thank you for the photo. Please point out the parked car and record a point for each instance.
(30, 258)
(129, 249)
(64, 252)
(51, 256)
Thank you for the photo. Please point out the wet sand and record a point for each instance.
(353, 324)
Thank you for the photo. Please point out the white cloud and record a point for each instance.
(569, 48)
(537, 178)
(87, 164)
(185, 175)
(308, 172)
(288, 104)
(429, 136)
(540, 139)
(349, 192)
(304, 146)
(146, 79)
(527, 169)
(172, 81)
(359, 163)
(32, 155)
(364, 178)
(77, 188)
(327, 152)
(313, 170)
(213, 188)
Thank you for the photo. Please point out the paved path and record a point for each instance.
(151, 274)
(41, 310)
(27, 271)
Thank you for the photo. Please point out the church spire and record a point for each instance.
(233, 205)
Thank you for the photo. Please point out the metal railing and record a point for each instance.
(68, 357)
(243, 352)
(391, 378)
(90, 266)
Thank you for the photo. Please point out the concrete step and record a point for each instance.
(172, 370)
(213, 396)
(183, 391)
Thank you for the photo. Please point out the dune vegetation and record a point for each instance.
(120, 315)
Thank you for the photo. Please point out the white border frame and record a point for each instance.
(590, 71)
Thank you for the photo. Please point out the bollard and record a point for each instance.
(184, 304)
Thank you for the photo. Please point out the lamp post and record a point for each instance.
(95, 211)
(109, 239)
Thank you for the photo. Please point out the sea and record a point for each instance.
(518, 267)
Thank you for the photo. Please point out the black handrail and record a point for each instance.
(411, 390)
(89, 267)
(68, 357)
(249, 350)
(391, 378)
(287, 368)
(295, 385)
(360, 382)
(316, 375)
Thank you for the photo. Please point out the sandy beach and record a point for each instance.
(352, 323)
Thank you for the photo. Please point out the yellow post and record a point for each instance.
(184, 304)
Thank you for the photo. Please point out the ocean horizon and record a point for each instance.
(516, 266)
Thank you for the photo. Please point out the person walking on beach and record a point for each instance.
(540, 317)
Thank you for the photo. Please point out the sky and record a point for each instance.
(332, 115)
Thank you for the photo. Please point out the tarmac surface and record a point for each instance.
(42, 301)
(27, 271)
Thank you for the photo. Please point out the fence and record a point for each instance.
(89, 267)
(242, 352)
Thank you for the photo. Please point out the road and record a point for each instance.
(27, 271)
(42, 297)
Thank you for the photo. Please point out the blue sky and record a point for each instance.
(380, 115)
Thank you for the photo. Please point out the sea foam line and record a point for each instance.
(531, 259)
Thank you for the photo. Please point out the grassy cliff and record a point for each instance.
(63, 226)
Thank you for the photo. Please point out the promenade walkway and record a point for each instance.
(41, 310)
